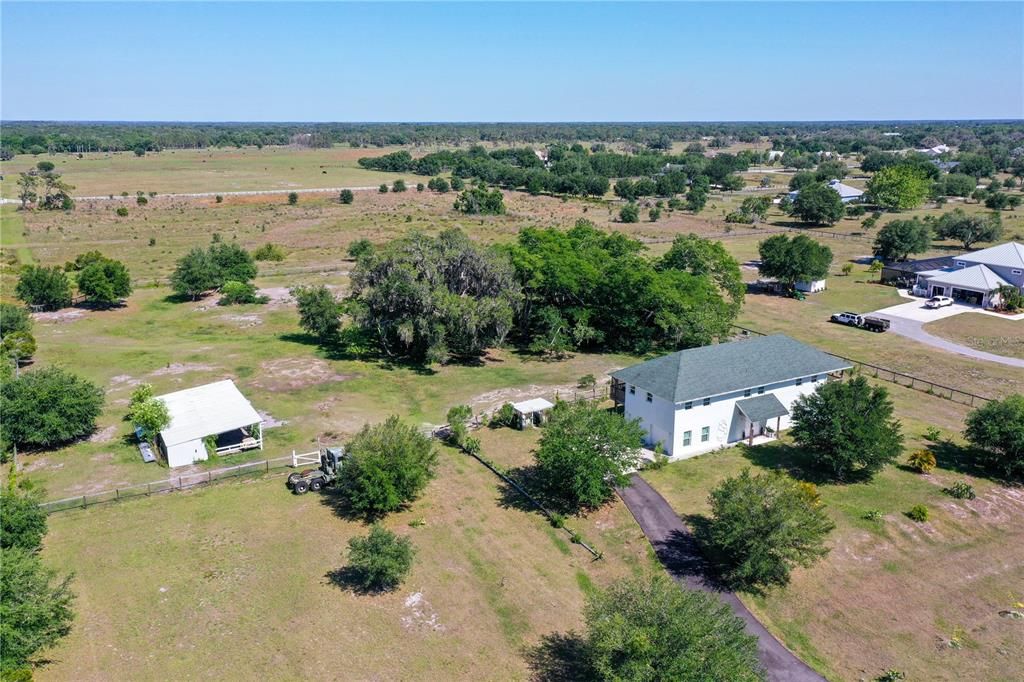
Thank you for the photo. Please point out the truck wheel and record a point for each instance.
(316, 484)
(292, 478)
(300, 487)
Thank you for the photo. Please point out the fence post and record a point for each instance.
(209, 477)
(268, 466)
(83, 502)
(117, 493)
(180, 487)
(148, 491)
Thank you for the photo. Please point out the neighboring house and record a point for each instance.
(696, 400)
(217, 410)
(945, 166)
(937, 150)
(774, 286)
(904, 273)
(975, 278)
(846, 192)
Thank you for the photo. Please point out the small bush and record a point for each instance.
(293, 198)
(872, 515)
(383, 189)
(152, 241)
(381, 560)
(271, 252)
(933, 434)
(346, 196)
(847, 269)
(961, 490)
(360, 248)
(141, 200)
(122, 211)
(556, 520)
(918, 513)
(586, 381)
(505, 416)
(891, 675)
(922, 460)
(237, 293)
(876, 266)
(219, 199)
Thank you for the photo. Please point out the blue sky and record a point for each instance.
(511, 62)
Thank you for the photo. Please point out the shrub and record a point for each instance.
(420, 187)
(961, 490)
(238, 293)
(762, 526)
(293, 198)
(398, 186)
(383, 189)
(505, 416)
(105, 281)
(651, 629)
(141, 200)
(932, 434)
(629, 213)
(122, 211)
(269, 252)
(388, 466)
(35, 609)
(587, 381)
(847, 269)
(359, 248)
(918, 513)
(22, 520)
(17, 345)
(219, 199)
(922, 460)
(876, 266)
(891, 675)
(346, 196)
(48, 407)
(150, 415)
(381, 560)
(481, 201)
(873, 515)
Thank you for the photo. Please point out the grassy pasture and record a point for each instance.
(921, 598)
(222, 582)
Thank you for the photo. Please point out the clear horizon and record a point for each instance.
(512, 63)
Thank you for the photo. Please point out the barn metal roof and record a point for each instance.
(206, 411)
(976, 277)
(1008, 255)
(727, 367)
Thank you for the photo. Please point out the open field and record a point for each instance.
(984, 332)
(892, 593)
(175, 171)
(221, 582)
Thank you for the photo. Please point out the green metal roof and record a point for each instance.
(762, 408)
(727, 367)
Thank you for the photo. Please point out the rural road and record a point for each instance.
(914, 329)
(200, 195)
(677, 550)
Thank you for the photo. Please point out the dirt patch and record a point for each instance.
(496, 398)
(269, 422)
(289, 374)
(418, 614)
(244, 321)
(123, 380)
(277, 295)
(103, 435)
(58, 316)
(176, 368)
(103, 456)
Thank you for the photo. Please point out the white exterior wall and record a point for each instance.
(186, 453)
(655, 417)
(811, 287)
(668, 423)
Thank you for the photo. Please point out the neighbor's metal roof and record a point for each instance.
(206, 411)
(532, 405)
(728, 367)
(762, 407)
(1008, 255)
(976, 277)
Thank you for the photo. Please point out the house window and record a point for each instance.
(746, 393)
(760, 390)
(799, 381)
(650, 398)
(632, 390)
(705, 434)
(687, 436)
(707, 401)
(687, 406)
(960, 263)
(1016, 272)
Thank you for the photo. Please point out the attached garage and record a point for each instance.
(973, 285)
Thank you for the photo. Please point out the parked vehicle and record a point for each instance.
(317, 479)
(938, 302)
(851, 319)
(874, 324)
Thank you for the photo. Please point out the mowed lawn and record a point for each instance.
(983, 332)
(921, 598)
(232, 582)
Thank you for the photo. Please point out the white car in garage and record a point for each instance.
(938, 302)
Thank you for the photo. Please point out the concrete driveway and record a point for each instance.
(678, 551)
(908, 319)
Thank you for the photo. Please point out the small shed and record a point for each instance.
(811, 287)
(531, 412)
(217, 410)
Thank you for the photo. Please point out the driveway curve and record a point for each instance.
(678, 552)
(914, 329)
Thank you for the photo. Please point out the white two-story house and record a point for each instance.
(699, 399)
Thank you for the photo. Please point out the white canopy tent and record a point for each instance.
(217, 409)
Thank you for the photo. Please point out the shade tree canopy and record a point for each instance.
(799, 259)
(48, 407)
(202, 270)
(819, 204)
(900, 238)
(104, 281)
(900, 187)
(968, 228)
(46, 287)
(996, 429)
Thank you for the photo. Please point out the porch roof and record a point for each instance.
(762, 408)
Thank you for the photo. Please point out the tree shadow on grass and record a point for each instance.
(351, 579)
(337, 502)
(560, 657)
(510, 497)
(795, 461)
(963, 460)
(343, 349)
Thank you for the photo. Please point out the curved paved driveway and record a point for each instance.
(914, 329)
(677, 549)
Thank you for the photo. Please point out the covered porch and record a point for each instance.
(758, 418)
